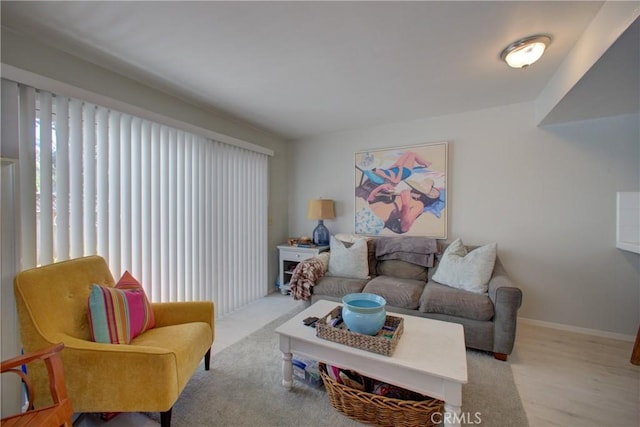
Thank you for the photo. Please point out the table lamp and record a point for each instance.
(320, 209)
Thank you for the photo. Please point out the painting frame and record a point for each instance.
(402, 191)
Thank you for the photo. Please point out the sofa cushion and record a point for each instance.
(443, 299)
(470, 271)
(403, 293)
(338, 286)
(402, 270)
(186, 342)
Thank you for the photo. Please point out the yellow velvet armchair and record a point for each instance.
(147, 375)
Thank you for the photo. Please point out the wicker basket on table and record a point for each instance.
(380, 410)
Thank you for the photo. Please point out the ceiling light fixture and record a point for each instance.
(526, 51)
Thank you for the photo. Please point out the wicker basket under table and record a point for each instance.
(380, 410)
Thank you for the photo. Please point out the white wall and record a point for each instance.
(546, 196)
(33, 56)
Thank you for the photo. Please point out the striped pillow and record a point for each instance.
(119, 314)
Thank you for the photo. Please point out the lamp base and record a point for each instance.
(321, 235)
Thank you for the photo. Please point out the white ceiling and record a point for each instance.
(298, 69)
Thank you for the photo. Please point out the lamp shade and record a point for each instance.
(320, 209)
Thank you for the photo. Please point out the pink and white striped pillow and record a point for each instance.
(119, 314)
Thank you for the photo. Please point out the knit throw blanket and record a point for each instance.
(306, 274)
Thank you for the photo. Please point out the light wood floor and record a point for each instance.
(564, 378)
(570, 379)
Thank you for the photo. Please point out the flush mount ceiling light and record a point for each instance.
(526, 51)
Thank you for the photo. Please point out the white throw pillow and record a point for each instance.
(351, 238)
(349, 261)
(469, 271)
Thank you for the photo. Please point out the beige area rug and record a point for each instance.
(243, 388)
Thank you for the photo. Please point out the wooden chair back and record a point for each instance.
(56, 415)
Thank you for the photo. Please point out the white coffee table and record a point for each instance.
(430, 357)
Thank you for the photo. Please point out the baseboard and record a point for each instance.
(579, 330)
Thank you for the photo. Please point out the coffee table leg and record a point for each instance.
(287, 370)
(452, 415)
(452, 404)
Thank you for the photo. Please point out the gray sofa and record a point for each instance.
(489, 319)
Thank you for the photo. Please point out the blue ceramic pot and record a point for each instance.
(364, 313)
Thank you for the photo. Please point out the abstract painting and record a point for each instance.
(402, 191)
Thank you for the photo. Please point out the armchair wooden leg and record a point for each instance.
(207, 360)
(165, 418)
(500, 356)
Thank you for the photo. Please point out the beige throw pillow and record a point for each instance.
(349, 261)
(470, 271)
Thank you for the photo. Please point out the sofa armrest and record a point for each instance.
(507, 299)
(174, 313)
(502, 288)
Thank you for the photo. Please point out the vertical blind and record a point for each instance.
(184, 214)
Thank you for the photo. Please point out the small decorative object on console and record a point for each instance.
(305, 242)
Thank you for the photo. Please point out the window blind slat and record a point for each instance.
(165, 262)
(116, 156)
(62, 177)
(155, 230)
(195, 206)
(126, 191)
(136, 197)
(234, 211)
(188, 236)
(202, 228)
(75, 178)
(223, 231)
(45, 238)
(180, 204)
(173, 218)
(145, 210)
(27, 172)
(102, 183)
(89, 177)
